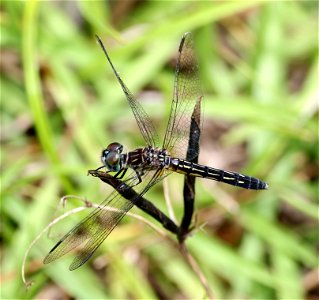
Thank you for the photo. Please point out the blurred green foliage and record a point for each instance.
(60, 105)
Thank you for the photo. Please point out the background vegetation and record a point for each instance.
(60, 105)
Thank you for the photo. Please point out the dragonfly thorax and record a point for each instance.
(112, 158)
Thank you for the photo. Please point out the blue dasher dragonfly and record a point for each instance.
(144, 167)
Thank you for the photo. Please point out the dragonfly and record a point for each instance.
(144, 167)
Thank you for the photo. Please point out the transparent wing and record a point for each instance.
(95, 228)
(144, 122)
(187, 93)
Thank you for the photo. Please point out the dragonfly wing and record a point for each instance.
(144, 122)
(187, 94)
(107, 220)
(100, 226)
(95, 228)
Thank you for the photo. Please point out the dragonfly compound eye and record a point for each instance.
(116, 147)
(112, 160)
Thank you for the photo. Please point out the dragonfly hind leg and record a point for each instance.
(138, 176)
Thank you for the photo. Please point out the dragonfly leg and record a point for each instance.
(137, 175)
(99, 168)
(120, 174)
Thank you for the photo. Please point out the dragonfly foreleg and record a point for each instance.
(99, 168)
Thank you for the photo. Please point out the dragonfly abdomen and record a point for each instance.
(236, 179)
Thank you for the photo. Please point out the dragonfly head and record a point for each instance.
(111, 157)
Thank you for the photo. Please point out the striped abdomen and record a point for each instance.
(243, 181)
